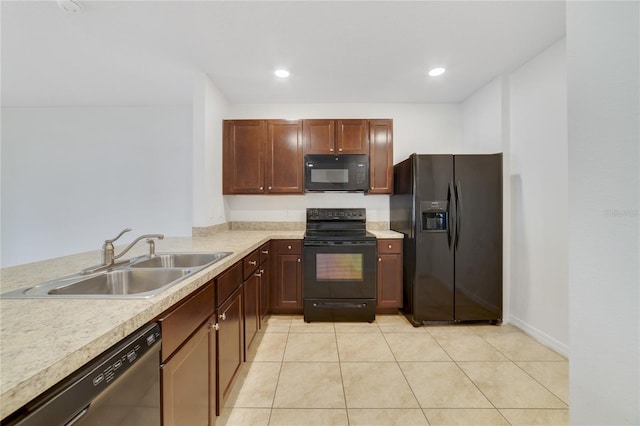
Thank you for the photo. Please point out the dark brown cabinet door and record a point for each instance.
(389, 278)
(352, 137)
(284, 157)
(251, 305)
(265, 280)
(213, 353)
(381, 156)
(230, 344)
(287, 286)
(335, 137)
(319, 136)
(185, 383)
(243, 156)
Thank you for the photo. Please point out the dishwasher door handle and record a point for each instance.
(78, 416)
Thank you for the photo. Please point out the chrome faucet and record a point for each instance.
(108, 251)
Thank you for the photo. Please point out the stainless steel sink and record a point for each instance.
(117, 284)
(141, 278)
(179, 260)
(123, 282)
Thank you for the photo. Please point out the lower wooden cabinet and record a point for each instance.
(251, 314)
(188, 355)
(389, 280)
(230, 345)
(287, 278)
(265, 281)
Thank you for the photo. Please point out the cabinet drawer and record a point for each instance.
(389, 246)
(250, 263)
(178, 324)
(264, 253)
(289, 246)
(228, 282)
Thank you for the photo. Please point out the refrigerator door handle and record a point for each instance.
(458, 189)
(451, 212)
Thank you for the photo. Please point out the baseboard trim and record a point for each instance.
(540, 336)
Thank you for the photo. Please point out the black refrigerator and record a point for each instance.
(449, 208)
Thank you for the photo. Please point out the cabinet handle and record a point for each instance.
(265, 251)
(258, 274)
(253, 262)
(289, 247)
(223, 316)
(298, 260)
(215, 326)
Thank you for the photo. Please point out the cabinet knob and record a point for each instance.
(265, 251)
(258, 274)
(262, 271)
(298, 260)
(379, 259)
(253, 262)
(269, 188)
(261, 188)
(330, 149)
(289, 247)
(215, 326)
(389, 245)
(372, 188)
(340, 149)
(223, 316)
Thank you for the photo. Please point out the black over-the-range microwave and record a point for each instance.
(345, 172)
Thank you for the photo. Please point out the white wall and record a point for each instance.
(482, 120)
(425, 129)
(603, 48)
(73, 177)
(209, 108)
(539, 190)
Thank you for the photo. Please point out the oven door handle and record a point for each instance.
(332, 305)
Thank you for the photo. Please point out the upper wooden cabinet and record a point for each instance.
(262, 156)
(284, 157)
(380, 156)
(335, 137)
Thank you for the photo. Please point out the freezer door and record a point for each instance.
(478, 240)
(433, 286)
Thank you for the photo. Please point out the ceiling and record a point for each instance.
(147, 52)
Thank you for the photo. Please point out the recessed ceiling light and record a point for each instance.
(436, 72)
(282, 73)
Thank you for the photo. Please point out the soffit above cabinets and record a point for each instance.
(148, 52)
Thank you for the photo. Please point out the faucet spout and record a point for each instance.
(133, 243)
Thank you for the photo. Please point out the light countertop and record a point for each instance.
(42, 341)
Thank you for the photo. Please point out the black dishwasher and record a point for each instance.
(120, 387)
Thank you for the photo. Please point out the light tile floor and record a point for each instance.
(390, 373)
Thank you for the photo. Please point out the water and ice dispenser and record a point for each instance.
(435, 216)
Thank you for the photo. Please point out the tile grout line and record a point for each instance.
(469, 378)
(515, 362)
(279, 373)
(404, 376)
(344, 393)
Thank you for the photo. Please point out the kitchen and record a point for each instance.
(520, 114)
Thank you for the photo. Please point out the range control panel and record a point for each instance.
(316, 215)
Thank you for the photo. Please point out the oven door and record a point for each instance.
(340, 269)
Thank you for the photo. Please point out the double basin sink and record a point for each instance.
(140, 278)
